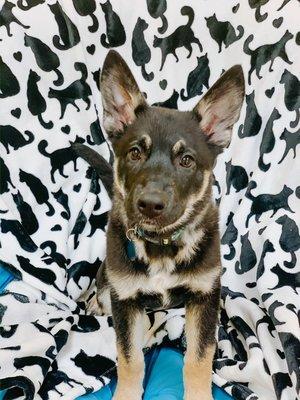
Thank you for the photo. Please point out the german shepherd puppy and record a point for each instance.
(162, 236)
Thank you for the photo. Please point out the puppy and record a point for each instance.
(162, 236)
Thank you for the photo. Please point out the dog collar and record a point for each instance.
(152, 238)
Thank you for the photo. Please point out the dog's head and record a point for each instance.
(164, 158)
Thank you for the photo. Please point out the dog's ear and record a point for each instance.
(121, 96)
(220, 107)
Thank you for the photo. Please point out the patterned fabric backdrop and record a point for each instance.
(54, 209)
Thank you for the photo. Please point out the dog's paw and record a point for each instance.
(127, 395)
(93, 307)
(198, 396)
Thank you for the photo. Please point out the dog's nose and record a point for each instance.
(152, 204)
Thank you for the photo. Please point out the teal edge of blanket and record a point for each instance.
(162, 366)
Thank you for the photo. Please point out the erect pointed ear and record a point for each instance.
(220, 107)
(121, 96)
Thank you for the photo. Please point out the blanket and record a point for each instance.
(53, 208)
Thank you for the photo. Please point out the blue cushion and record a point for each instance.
(163, 379)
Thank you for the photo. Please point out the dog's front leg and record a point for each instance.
(128, 324)
(201, 320)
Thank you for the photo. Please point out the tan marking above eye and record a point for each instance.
(147, 141)
(178, 146)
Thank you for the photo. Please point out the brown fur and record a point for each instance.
(187, 270)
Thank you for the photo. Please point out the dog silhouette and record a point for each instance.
(291, 95)
(292, 139)
(77, 90)
(253, 120)
(267, 202)
(36, 102)
(115, 33)
(223, 32)
(11, 137)
(45, 58)
(197, 78)
(87, 8)
(7, 17)
(268, 140)
(9, 84)
(157, 8)
(28, 218)
(5, 177)
(29, 4)
(38, 189)
(59, 158)
(229, 237)
(68, 33)
(289, 239)
(183, 36)
(141, 53)
(236, 176)
(266, 53)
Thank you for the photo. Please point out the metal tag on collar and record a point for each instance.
(130, 232)
(130, 250)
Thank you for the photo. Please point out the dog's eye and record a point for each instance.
(186, 161)
(135, 154)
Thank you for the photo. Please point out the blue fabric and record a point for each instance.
(163, 379)
(5, 278)
(163, 375)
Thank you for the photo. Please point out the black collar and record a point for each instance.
(153, 237)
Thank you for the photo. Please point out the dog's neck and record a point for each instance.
(154, 237)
